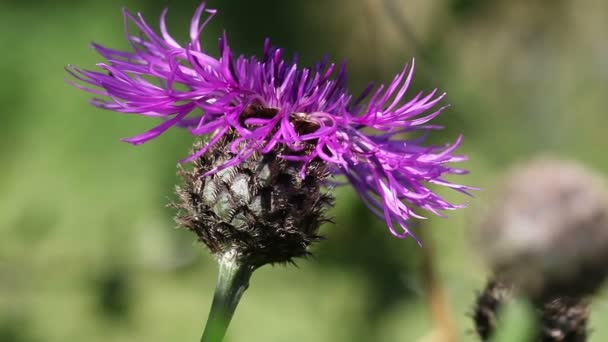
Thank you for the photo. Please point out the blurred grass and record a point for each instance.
(87, 249)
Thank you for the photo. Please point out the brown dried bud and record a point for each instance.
(564, 320)
(260, 209)
(547, 232)
(488, 306)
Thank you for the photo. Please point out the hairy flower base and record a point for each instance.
(260, 209)
(269, 101)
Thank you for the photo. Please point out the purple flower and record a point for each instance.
(272, 102)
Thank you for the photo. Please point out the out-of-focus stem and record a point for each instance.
(440, 312)
(232, 281)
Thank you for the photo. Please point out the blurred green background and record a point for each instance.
(88, 251)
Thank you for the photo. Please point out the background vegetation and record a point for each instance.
(87, 248)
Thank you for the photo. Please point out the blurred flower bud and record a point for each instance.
(547, 231)
(559, 320)
(488, 306)
(564, 319)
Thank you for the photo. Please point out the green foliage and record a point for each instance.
(517, 323)
(87, 249)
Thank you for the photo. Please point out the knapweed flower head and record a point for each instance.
(271, 104)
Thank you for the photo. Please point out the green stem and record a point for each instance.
(232, 281)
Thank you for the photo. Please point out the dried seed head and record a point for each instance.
(548, 230)
(260, 208)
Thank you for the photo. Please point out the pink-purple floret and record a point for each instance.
(361, 140)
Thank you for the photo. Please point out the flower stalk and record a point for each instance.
(436, 298)
(232, 281)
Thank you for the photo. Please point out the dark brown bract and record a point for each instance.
(561, 319)
(488, 306)
(564, 319)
